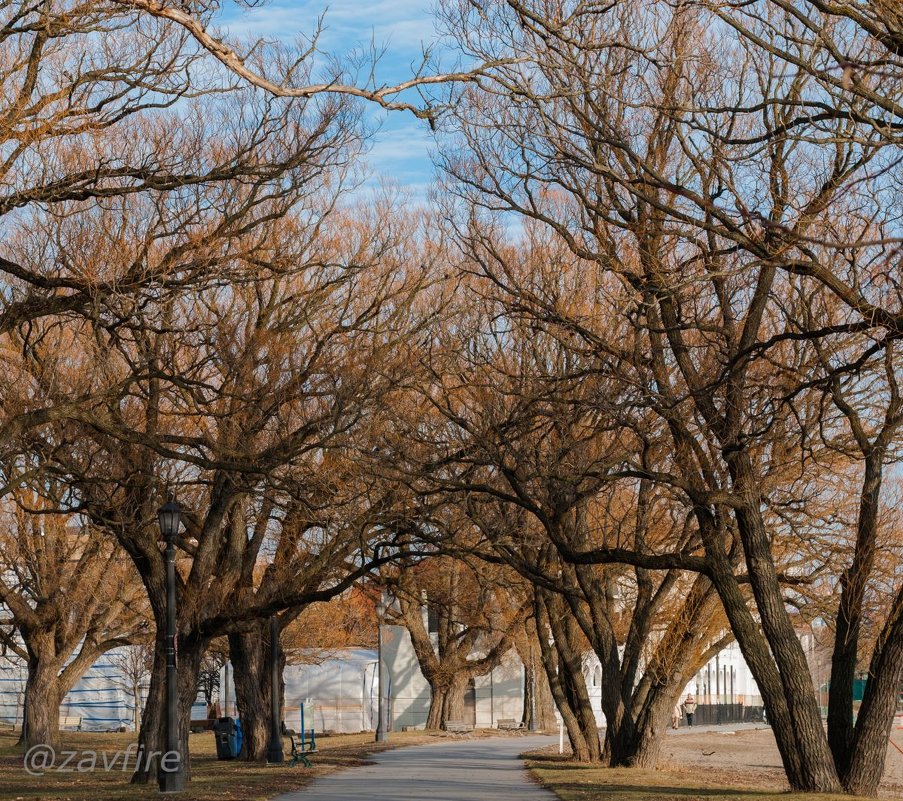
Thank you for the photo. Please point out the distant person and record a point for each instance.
(690, 708)
(676, 715)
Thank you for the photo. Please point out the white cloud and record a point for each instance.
(403, 25)
(401, 151)
(400, 148)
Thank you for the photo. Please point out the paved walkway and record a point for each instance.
(453, 770)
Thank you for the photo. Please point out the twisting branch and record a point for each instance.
(384, 96)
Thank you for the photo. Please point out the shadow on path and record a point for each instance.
(468, 770)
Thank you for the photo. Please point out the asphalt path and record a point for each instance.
(453, 770)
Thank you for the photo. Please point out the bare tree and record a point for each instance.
(255, 63)
(462, 617)
(71, 596)
(133, 666)
(235, 399)
(550, 457)
(208, 676)
(679, 167)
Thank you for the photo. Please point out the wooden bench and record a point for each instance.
(509, 724)
(70, 722)
(458, 728)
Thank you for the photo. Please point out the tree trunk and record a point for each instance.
(650, 732)
(152, 737)
(584, 740)
(152, 734)
(817, 772)
(438, 693)
(447, 699)
(770, 646)
(673, 663)
(876, 714)
(250, 653)
(853, 583)
(50, 677)
(563, 669)
(43, 696)
(453, 707)
(755, 649)
(535, 680)
(136, 709)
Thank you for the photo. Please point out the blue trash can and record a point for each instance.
(228, 737)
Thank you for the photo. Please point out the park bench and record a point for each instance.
(299, 755)
(71, 722)
(458, 728)
(509, 724)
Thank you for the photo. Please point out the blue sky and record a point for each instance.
(400, 149)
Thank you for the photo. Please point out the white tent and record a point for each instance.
(338, 691)
(99, 700)
(12, 689)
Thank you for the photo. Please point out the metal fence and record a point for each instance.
(714, 714)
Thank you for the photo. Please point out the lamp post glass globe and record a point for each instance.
(168, 517)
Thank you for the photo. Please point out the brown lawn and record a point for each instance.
(211, 779)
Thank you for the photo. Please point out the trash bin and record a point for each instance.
(228, 737)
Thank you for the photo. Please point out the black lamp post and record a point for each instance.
(171, 770)
(381, 734)
(275, 754)
(534, 723)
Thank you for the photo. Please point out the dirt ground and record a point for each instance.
(747, 756)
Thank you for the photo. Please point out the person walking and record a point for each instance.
(676, 715)
(690, 708)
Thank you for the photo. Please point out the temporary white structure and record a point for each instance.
(99, 701)
(339, 693)
(338, 690)
(498, 695)
(12, 689)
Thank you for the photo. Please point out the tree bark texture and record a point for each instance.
(564, 670)
(251, 656)
(152, 737)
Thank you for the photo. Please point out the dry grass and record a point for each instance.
(211, 779)
(573, 781)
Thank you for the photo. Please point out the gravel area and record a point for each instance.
(746, 755)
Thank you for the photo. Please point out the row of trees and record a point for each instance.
(629, 386)
(723, 180)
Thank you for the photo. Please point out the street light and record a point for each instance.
(381, 734)
(275, 754)
(171, 778)
(534, 723)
